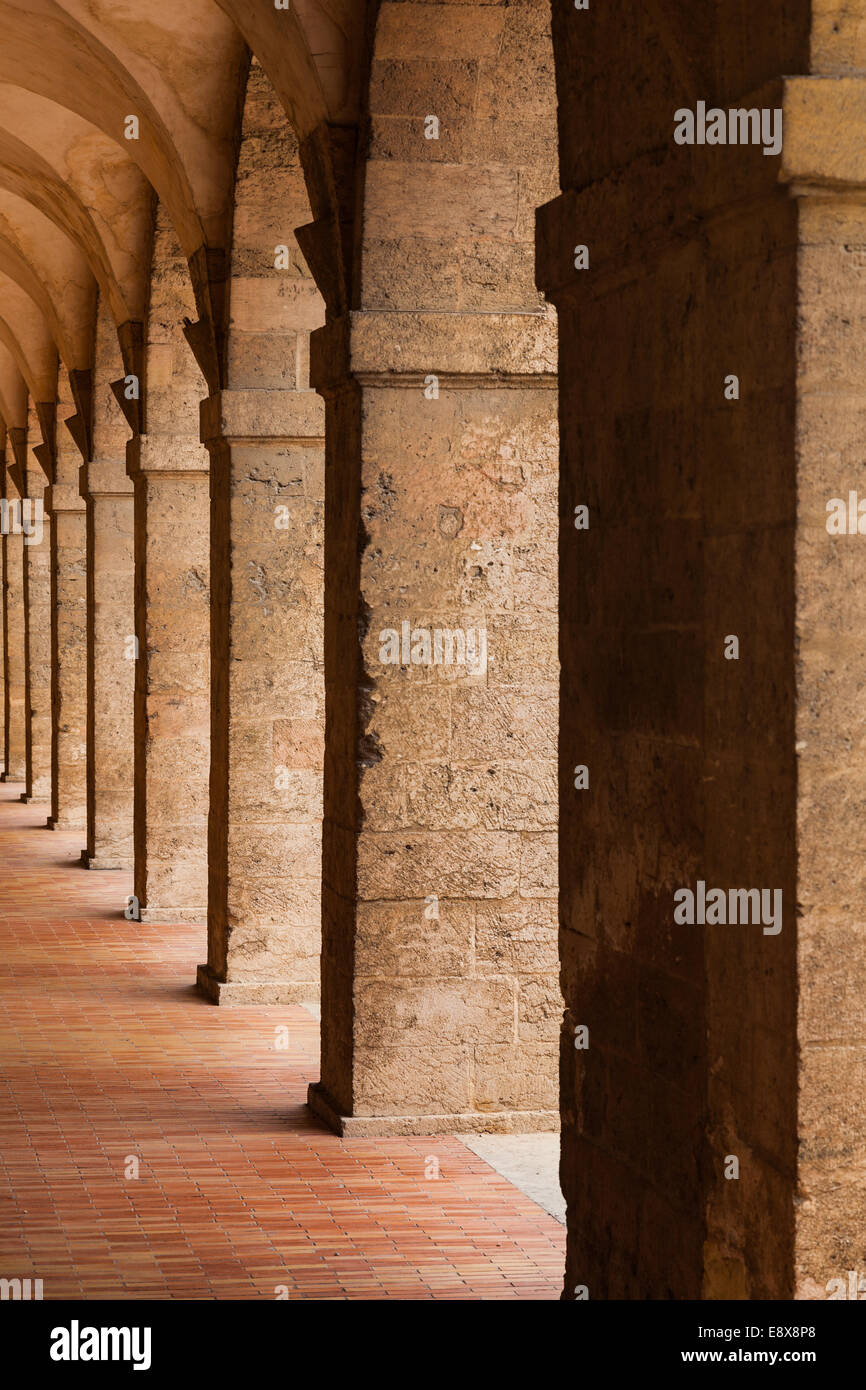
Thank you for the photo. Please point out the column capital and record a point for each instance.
(385, 347)
(165, 455)
(60, 498)
(251, 417)
(104, 478)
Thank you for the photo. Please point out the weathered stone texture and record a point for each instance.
(15, 747)
(37, 629)
(440, 779)
(831, 572)
(172, 691)
(110, 621)
(265, 437)
(68, 630)
(2, 589)
(706, 519)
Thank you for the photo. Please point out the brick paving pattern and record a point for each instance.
(109, 1054)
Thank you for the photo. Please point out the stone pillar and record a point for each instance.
(169, 468)
(107, 490)
(2, 598)
(37, 629)
(264, 431)
(15, 739)
(68, 636)
(108, 494)
(712, 408)
(688, 1058)
(440, 1002)
(172, 714)
(264, 845)
(438, 964)
(824, 166)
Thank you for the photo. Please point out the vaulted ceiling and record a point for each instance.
(76, 193)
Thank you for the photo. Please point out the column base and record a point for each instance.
(467, 1122)
(59, 823)
(34, 800)
(12, 777)
(238, 993)
(92, 861)
(173, 916)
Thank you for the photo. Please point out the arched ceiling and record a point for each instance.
(13, 391)
(311, 53)
(26, 334)
(52, 270)
(77, 195)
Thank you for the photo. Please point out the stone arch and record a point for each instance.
(58, 189)
(311, 55)
(172, 150)
(13, 391)
(185, 132)
(72, 344)
(29, 341)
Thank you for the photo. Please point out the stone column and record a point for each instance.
(264, 843)
(15, 746)
(68, 636)
(440, 1003)
(108, 494)
(37, 630)
(825, 729)
(677, 412)
(172, 712)
(713, 658)
(169, 467)
(2, 598)
(439, 997)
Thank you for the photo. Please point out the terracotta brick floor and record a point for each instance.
(107, 1053)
